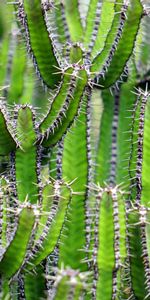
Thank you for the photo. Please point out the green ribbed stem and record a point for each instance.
(43, 51)
(26, 158)
(14, 254)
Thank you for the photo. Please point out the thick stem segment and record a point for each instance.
(14, 254)
(31, 17)
(26, 157)
(98, 23)
(69, 109)
(109, 252)
(119, 54)
(72, 247)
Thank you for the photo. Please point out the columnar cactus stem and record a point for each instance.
(28, 12)
(73, 225)
(108, 230)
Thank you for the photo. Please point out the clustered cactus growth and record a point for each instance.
(74, 169)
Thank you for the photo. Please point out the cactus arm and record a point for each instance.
(123, 250)
(57, 102)
(122, 226)
(99, 21)
(104, 146)
(60, 101)
(70, 109)
(72, 13)
(7, 140)
(26, 157)
(107, 14)
(41, 51)
(13, 257)
(76, 170)
(104, 284)
(51, 232)
(115, 66)
(34, 284)
(100, 59)
(109, 250)
(71, 242)
(135, 252)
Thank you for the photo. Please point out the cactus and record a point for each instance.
(74, 150)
